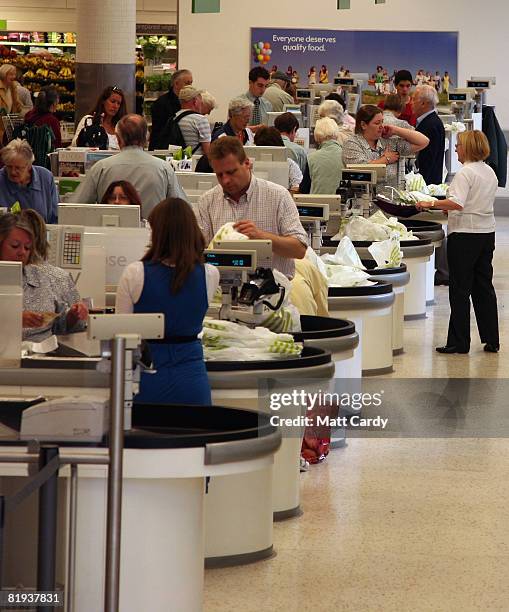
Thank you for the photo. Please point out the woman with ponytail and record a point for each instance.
(171, 278)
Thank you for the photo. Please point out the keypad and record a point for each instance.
(71, 250)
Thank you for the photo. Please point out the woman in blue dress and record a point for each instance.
(172, 279)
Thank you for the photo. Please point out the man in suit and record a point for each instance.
(431, 159)
(167, 106)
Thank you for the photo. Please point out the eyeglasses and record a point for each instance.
(117, 90)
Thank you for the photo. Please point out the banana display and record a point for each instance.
(41, 70)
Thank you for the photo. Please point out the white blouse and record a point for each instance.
(130, 286)
(474, 188)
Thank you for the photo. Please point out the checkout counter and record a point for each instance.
(165, 460)
(270, 494)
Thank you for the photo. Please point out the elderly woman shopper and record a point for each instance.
(348, 120)
(334, 110)
(51, 303)
(239, 116)
(325, 164)
(372, 143)
(24, 184)
(470, 246)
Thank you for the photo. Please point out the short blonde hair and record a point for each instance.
(332, 109)
(188, 93)
(17, 148)
(475, 145)
(326, 129)
(208, 99)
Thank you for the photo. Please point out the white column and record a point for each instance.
(105, 52)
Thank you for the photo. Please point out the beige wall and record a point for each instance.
(216, 46)
(61, 17)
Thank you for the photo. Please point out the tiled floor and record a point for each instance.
(397, 525)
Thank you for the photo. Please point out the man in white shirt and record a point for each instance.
(261, 210)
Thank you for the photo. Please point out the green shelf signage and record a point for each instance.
(3, 24)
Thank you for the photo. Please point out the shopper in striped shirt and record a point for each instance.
(194, 126)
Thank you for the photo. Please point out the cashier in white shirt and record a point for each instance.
(470, 245)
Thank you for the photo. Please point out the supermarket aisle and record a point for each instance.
(401, 524)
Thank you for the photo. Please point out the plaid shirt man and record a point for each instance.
(268, 205)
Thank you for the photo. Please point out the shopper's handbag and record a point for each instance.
(93, 134)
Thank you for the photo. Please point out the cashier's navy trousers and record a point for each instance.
(470, 258)
(181, 375)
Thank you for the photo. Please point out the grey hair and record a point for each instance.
(237, 105)
(332, 109)
(326, 129)
(17, 148)
(208, 99)
(176, 76)
(428, 94)
(188, 93)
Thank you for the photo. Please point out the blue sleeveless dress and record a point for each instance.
(181, 376)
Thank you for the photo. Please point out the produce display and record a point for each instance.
(45, 68)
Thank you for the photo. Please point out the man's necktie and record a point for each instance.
(257, 117)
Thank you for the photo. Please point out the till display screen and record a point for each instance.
(458, 97)
(310, 211)
(478, 84)
(356, 176)
(224, 259)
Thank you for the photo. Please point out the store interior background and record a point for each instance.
(216, 45)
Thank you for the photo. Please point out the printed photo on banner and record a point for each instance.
(317, 57)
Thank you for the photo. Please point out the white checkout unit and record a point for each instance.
(168, 455)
